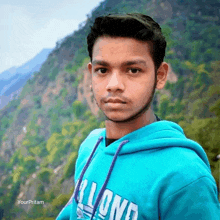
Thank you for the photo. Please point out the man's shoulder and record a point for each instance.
(91, 139)
(95, 134)
(88, 145)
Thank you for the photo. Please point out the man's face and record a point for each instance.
(122, 68)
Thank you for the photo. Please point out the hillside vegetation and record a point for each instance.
(40, 133)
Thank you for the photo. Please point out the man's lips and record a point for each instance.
(115, 100)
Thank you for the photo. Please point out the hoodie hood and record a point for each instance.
(157, 135)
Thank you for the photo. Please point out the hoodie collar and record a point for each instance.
(158, 135)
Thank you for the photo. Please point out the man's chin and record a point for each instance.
(119, 119)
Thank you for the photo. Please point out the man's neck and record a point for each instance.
(116, 130)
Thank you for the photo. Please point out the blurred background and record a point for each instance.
(47, 109)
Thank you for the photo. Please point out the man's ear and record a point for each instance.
(89, 66)
(162, 75)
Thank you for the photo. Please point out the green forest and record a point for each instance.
(41, 131)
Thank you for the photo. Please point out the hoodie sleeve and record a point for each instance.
(197, 200)
(65, 213)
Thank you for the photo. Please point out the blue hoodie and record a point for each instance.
(152, 173)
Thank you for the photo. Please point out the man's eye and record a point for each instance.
(101, 70)
(134, 70)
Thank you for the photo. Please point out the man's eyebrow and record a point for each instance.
(133, 62)
(99, 62)
(126, 63)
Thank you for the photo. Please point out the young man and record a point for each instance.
(138, 167)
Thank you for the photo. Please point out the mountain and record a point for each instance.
(30, 66)
(35, 63)
(4, 100)
(8, 73)
(14, 78)
(41, 130)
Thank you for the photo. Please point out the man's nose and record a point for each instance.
(116, 82)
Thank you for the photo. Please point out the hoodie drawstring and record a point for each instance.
(85, 168)
(101, 192)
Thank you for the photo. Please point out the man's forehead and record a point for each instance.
(115, 45)
(119, 39)
(126, 62)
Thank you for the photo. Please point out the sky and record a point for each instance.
(27, 27)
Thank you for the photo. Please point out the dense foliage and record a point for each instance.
(43, 164)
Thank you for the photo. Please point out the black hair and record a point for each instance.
(133, 25)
